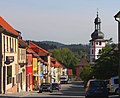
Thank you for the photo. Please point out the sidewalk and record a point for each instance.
(17, 95)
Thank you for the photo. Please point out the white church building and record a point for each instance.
(97, 41)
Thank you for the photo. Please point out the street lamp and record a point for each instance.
(117, 18)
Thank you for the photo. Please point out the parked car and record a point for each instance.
(64, 79)
(56, 86)
(69, 80)
(96, 88)
(114, 84)
(108, 84)
(46, 87)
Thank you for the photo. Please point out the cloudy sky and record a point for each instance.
(65, 21)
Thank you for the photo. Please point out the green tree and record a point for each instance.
(86, 73)
(67, 57)
(106, 65)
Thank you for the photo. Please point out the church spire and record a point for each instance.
(97, 23)
(97, 12)
(97, 34)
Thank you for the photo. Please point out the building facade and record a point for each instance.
(22, 66)
(29, 70)
(8, 57)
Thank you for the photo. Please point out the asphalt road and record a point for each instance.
(73, 90)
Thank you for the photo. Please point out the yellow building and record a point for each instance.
(35, 72)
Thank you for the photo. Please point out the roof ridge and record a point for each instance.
(41, 48)
(7, 26)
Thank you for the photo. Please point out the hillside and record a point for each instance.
(81, 49)
(57, 44)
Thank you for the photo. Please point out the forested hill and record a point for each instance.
(57, 44)
(81, 49)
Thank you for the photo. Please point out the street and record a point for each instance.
(72, 90)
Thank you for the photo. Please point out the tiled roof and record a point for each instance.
(52, 64)
(35, 55)
(53, 59)
(30, 51)
(6, 26)
(57, 64)
(22, 43)
(39, 50)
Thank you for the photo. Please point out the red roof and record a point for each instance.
(6, 26)
(39, 50)
(35, 55)
(30, 51)
(57, 64)
(22, 42)
(52, 59)
(52, 64)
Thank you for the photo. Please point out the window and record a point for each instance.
(99, 51)
(100, 43)
(9, 74)
(92, 51)
(93, 59)
(13, 81)
(97, 83)
(4, 41)
(23, 52)
(7, 43)
(96, 43)
(15, 45)
(10, 42)
(116, 81)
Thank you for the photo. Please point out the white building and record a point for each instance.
(8, 57)
(97, 41)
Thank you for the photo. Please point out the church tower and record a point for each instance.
(97, 41)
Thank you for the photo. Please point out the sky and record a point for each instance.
(64, 21)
